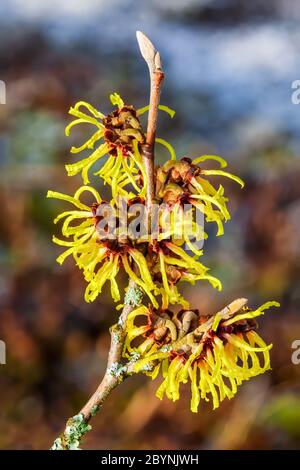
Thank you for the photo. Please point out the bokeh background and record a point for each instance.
(229, 69)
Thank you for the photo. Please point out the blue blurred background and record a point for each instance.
(229, 71)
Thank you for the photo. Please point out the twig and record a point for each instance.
(153, 60)
(116, 371)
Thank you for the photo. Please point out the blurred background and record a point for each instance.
(229, 70)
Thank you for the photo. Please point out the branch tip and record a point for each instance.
(157, 61)
(147, 49)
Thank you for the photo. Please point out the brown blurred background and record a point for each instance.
(229, 69)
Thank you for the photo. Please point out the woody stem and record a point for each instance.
(152, 58)
(115, 371)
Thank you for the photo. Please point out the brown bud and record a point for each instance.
(121, 127)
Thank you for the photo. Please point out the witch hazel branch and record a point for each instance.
(153, 230)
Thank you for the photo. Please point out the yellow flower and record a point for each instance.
(157, 327)
(171, 264)
(183, 182)
(179, 223)
(100, 258)
(118, 135)
(216, 356)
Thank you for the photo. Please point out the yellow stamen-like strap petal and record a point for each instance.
(168, 146)
(224, 173)
(222, 161)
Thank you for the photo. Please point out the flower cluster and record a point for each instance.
(94, 251)
(158, 263)
(184, 182)
(215, 353)
(118, 135)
